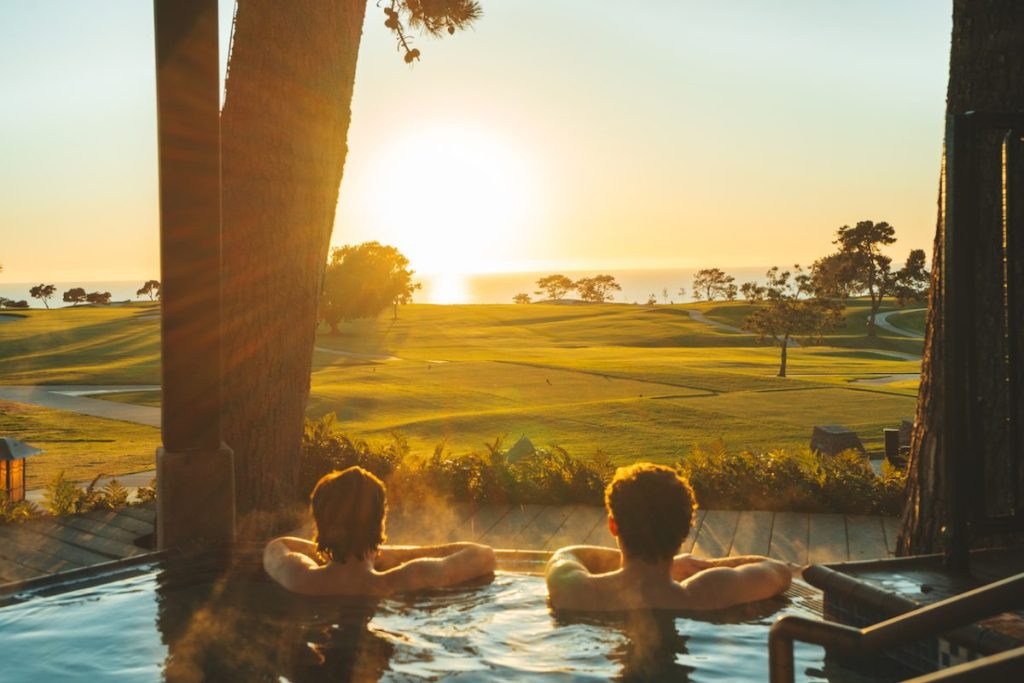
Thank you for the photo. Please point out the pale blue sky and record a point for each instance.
(669, 133)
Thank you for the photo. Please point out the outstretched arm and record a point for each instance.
(390, 556)
(466, 561)
(595, 559)
(289, 560)
(723, 585)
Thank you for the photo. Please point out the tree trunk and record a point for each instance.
(785, 352)
(875, 305)
(986, 73)
(283, 126)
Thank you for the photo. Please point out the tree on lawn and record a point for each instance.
(833, 276)
(100, 298)
(791, 310)
(521, 298)
(711, 283)
(986, 73)
(151, 289)
(860, 266)
(362, 281)
(284, 123)
(555, 286)
(74, 296)
(871, 269)
(598, 289)
(911, 283)
(43, 292)
(752, 292)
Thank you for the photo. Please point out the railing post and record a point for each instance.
(957, 318)
(195, 479)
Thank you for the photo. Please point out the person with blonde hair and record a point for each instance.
(346, 555)
(650, 511)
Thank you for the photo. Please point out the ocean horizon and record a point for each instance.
(453, 288)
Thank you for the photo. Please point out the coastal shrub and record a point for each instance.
(548, 475)
(61, 496)
(112, 496)
(15, 512)
(323, 450)
(147, 493)
(64, 497)
(800, 481)
(797, 481)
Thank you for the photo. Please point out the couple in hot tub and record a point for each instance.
(650, 509)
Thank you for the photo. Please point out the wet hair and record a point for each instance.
(348, 510)
(653, 509)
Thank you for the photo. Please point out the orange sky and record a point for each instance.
(581, 134)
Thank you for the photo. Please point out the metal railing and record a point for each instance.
(1005, 666)
(930, 620)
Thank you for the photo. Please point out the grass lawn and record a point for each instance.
(80, 445)
(911, 321)
(83, 345)
(632, 381)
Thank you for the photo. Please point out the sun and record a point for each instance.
(453, 199)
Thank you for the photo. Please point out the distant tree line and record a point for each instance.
(597, 289)
(78, 295)
(790, 303)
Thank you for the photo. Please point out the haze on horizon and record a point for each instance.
(572, 135)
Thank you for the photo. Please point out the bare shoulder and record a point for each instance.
(570, 583)
(286, 564)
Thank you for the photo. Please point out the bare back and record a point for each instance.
(579, 578)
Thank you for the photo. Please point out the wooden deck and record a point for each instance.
(51, 545)
(54, 544)
(795, 537)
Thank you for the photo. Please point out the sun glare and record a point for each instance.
(453, 199)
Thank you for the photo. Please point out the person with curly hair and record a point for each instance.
(650, 511)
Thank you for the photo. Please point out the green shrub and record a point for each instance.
(64, 497)
(801, 481)
(324, 451)
(546, 476)
(15, 512)
(147, 493)
(112, 496)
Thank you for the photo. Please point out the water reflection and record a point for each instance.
(234, 624)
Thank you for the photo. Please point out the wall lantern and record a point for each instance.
(12, 466)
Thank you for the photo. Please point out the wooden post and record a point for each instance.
(195, 480)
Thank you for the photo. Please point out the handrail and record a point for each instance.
(1005, 666)
(929, 620)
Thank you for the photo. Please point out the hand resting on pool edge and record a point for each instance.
(345, 556)
(650, 510)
